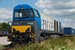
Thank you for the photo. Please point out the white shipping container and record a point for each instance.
(59, 27)
(47, 22)
(48, 25)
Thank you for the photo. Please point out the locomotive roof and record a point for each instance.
(23, 6)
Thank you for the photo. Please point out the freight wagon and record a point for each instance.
(50, 26)
(30, 25)
(3, 33)
(68, 31)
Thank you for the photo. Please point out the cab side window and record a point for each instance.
(36, 13)
(31, 13)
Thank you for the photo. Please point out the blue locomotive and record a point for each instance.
(29, 25)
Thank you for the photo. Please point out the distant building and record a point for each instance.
(10, 23)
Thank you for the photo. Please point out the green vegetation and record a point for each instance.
(1, 47)
(4, 26)
(64, 43)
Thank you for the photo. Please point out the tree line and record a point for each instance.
(4, 26)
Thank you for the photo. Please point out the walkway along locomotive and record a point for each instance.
(29, 25)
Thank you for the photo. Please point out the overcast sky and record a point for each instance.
(61, 10)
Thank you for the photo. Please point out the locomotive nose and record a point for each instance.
(24, 32)
(21, 29)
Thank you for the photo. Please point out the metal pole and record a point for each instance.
(13, 3)
(0, 0)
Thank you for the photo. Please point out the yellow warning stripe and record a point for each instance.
(21, 28)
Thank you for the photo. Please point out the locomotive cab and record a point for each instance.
(26, 23)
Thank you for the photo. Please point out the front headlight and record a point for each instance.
(14, 36)
(30, 36)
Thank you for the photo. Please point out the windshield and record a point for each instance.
(23, 13)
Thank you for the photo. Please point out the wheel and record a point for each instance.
(41, 39)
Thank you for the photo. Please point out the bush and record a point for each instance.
(65, 43)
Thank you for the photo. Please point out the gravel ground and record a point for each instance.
(3, 41)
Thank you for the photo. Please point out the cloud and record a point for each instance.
(42, 3)
(62, 10)
(5, 15)
(61, 13)
(55, 4)
(68, 22)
